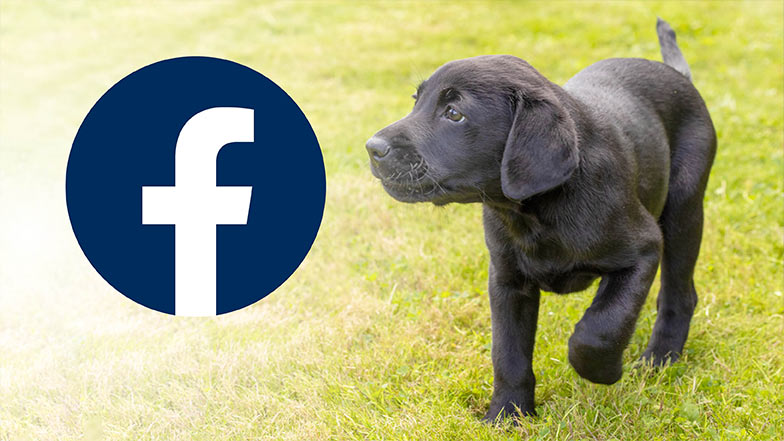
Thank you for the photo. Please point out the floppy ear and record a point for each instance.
(541, 149)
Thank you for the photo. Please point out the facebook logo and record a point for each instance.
(195, 186)
(195, 205)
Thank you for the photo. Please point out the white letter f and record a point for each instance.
(196, 205)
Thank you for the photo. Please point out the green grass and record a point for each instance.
(384, 331)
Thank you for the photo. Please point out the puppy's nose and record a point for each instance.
(377, 147)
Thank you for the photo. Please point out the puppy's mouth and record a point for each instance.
(408, 181)
(424, 189)
(413, 181)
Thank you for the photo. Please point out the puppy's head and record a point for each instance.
(488, 128)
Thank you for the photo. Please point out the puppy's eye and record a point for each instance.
(453, 115)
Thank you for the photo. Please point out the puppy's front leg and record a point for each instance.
(600, 337)
(514, 307)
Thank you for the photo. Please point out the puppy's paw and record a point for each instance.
(510, 405)
(594, 360)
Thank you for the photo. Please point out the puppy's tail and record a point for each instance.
(671, 54)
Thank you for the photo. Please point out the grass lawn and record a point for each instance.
(384, 331)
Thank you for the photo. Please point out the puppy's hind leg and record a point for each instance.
(681, 225)
(682, 230)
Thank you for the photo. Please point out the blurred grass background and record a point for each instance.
(384, 331)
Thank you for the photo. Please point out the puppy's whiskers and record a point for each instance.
(482, 194)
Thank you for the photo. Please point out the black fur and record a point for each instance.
(601, 178)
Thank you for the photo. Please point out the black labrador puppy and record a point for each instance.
(601, 178)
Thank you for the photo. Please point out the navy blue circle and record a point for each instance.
(128, 140)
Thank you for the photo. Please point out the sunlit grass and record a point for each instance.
(383, 333)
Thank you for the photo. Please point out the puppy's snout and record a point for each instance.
(377, 148)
